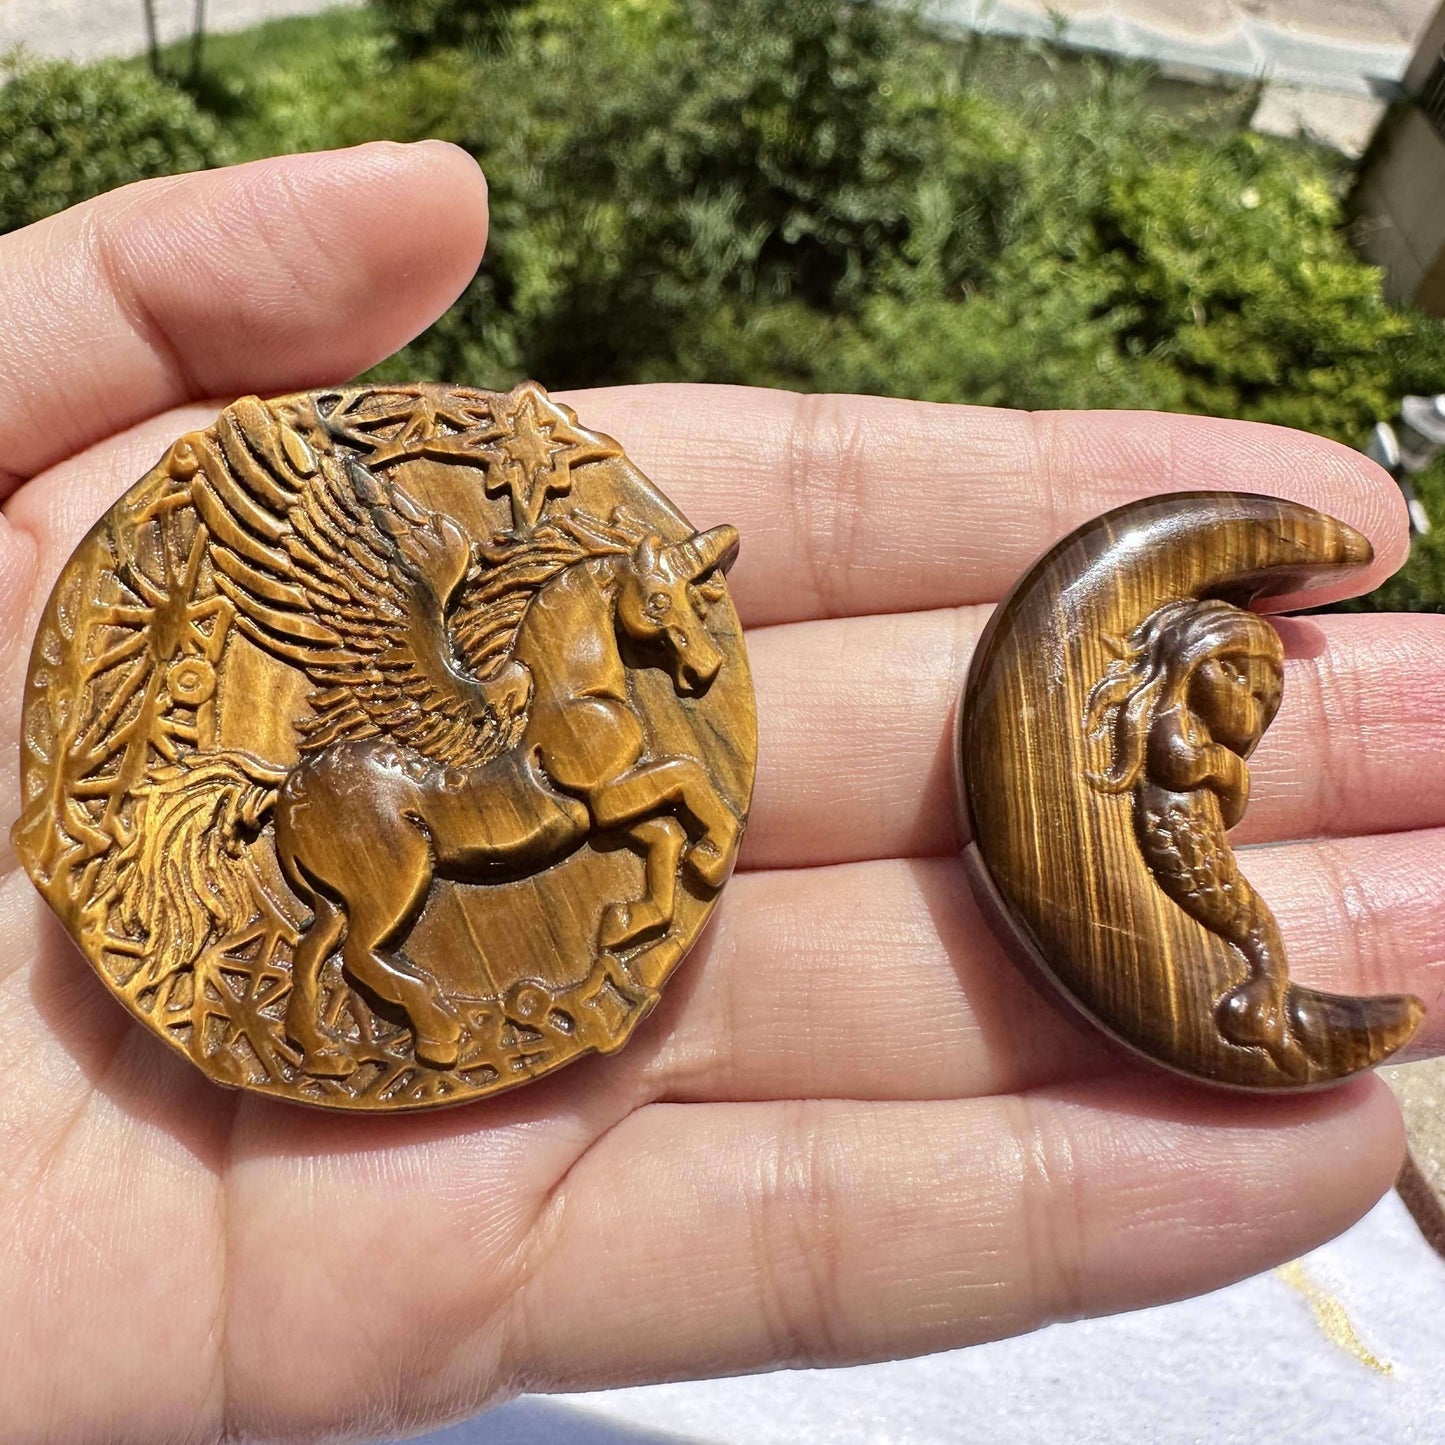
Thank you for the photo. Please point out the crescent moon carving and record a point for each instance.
(1103, 738)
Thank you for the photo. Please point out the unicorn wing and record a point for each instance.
(348, 578)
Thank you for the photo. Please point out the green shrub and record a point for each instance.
(655, 164)
(830, 195)
(70, 132)
(329, 80)
(417, 26)
(822, 195)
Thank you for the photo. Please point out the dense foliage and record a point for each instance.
(416, 26)
(69, 132)
(823, 195)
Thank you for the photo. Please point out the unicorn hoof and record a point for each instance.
(710, 863)
(328, 1063)
(616, 926)
(624, 923)
(437, 1053)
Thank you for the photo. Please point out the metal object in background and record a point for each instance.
(1406, 448)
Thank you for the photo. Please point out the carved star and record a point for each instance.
(530, 449)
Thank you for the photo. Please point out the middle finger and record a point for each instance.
(881, 980)
(855, 751)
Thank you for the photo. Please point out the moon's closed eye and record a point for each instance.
(1098, 784)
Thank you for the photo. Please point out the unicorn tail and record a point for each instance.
(183, 878)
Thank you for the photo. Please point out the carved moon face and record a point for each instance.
(1101, 739)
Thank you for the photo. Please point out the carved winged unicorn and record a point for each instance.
(471, 714)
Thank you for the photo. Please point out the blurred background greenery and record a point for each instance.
(820, 195)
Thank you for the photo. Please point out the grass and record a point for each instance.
(258, 83)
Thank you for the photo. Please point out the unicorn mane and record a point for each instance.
(484, 625)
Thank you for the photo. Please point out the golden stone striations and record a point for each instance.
(388, 747)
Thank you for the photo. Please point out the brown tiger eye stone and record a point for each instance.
(1103, 739)
(388, 747)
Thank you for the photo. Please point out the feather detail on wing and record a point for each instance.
(513, 572)
(348, 578)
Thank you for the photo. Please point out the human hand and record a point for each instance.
(850, 1130)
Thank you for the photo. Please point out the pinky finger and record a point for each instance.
(722, 1238)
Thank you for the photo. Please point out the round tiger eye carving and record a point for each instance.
(1103, 739)
(388, 747)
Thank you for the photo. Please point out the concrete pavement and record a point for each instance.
(87, 29)
(1354, 46)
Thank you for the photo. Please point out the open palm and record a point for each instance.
(850, 1130)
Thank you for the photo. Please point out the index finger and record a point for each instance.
(283, 273)
(863, 504)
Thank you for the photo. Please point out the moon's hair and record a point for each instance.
(1154, 664)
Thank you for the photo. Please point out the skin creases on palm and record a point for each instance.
(850, 1130)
